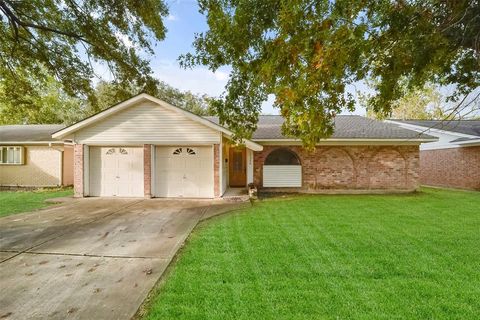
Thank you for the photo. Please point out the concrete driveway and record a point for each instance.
(91, 258)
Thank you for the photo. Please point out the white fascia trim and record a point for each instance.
(143, 96)
(432, 129)
(452, 146)
(348, 141)
(32, 142)
(468, 143)
(142, 142)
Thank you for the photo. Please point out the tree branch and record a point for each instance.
(13, 17)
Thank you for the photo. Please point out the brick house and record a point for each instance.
(452, 161)
(144, 147)
(31, 158)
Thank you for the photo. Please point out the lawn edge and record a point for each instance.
(144, 307)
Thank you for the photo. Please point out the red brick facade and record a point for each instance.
(147, 170)
(352, 167)
(78, 171)
(216, 170)
(454, 167)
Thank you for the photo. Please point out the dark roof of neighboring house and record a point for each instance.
(471, 127)
(28, 132)
(346, 127)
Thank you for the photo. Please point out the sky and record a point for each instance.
(183, 22)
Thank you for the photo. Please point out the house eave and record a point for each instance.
(334, 141)
(31, 142)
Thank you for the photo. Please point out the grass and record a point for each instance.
(21, 201)
(411, 256)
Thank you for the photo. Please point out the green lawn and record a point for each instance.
(21, 201)
(411, 256)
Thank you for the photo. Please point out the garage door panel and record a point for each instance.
(184, 172)
(116, 171)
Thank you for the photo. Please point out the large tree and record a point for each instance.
(308, 54)
(67, 38)
(109, 93)
(45, 102)
(427, 103)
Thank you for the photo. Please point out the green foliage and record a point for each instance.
(307, 53)
(108, 94)
(44, 102)
(47, 103)
(425, 104)
(66, 37)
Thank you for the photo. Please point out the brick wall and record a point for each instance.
(68, 165)
(455, 167)
(147, 170)
(216, 170)
(352, 167)
(78, 170)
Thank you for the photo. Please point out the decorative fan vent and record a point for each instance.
(178, 151)
(191, 151)
(123, 151)
(110, 151)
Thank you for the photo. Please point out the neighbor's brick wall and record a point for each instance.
(352, 167)
(216, 170)
(147, 170)
(41, 168)
(455, 167)
(78, 170)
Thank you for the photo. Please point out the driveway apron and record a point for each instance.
(91, 258)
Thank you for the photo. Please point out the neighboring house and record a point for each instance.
(452, 161)
(30, 157)
(144, 147)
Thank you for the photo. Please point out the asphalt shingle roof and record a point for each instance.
(471, 127)
(346, 127)
(28, 132)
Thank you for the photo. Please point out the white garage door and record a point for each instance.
(184, 172)
(116, 171)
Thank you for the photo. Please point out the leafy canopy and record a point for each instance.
(426, 103)
(110, 93)
(308, 53)
(47, 103)
(66, 38)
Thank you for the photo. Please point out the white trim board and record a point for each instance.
(431, 129)
(329, 142)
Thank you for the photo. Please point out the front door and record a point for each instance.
(238, 167)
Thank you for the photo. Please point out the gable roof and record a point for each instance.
(347, 127)
(34, 133)
(470, 127)
(146, 97)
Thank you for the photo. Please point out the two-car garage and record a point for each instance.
(145, 147)
(177, 171)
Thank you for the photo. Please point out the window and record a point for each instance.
(11, 155)
(179, 151)
(282, 157)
